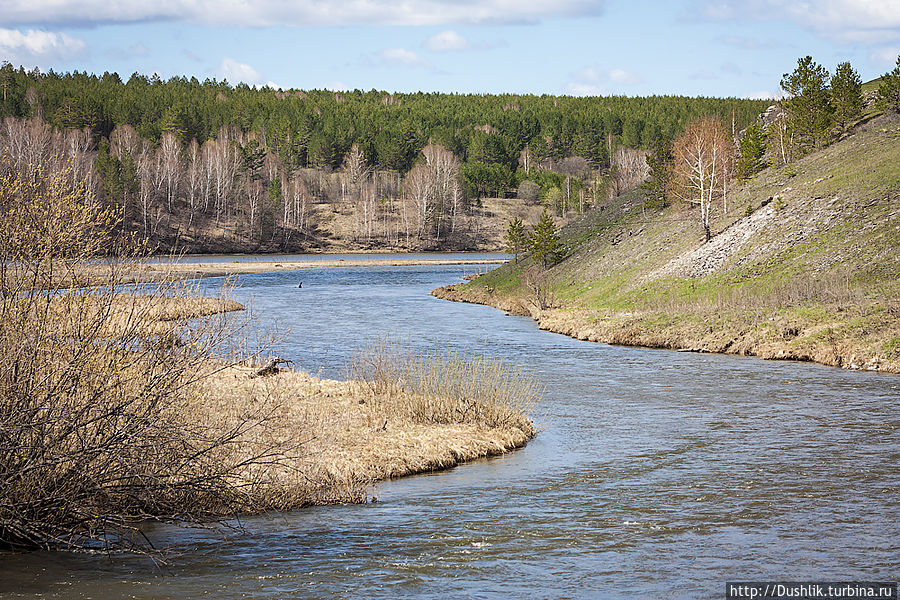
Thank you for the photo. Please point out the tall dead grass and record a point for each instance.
(448, 386)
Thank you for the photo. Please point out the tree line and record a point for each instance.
(262, 165)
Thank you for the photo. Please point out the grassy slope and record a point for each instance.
(812, 274)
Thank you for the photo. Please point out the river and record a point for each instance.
(655, 474)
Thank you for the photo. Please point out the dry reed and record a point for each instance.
(449, 386)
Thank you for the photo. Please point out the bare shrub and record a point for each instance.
(538, 283)
(97, 406)
(529, 192)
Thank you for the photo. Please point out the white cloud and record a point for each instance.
(592, 81)
(402, 56)
(623, 77)
(447, 41)
(236, 72)
(36, 46)
(853, 21)
(295, 13)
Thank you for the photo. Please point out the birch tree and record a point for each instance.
(418, 191)
(701, 157)
(169, 165)
(443, 171)
(194, 177)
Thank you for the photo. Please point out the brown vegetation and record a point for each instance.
(355, 433)
(96, 427)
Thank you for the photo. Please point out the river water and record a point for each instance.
(656, 474)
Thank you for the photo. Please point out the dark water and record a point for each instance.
(657, 474)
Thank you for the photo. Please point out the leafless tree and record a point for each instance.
(194, 177)
(125, 140)
(296, 203)
(443, 170)
(418, 191)
(355, 165)
(208, 173)
(225, 167)
(169, 166)
(701, 154)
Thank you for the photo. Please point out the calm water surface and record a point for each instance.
(656, 474)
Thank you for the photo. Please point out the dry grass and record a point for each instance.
(448, 386)
(343, 436)
(150, 314)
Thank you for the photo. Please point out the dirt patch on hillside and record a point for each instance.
(714, 254)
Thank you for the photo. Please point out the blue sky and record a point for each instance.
(578, 47)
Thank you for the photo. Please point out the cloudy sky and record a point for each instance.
(577, 47)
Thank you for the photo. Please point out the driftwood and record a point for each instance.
(271, 367)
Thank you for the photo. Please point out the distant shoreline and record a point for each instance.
(219, 269)
(141, 272)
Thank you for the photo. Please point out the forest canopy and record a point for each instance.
(316, 129)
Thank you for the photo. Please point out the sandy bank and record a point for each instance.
(851, 337)
(187, 270)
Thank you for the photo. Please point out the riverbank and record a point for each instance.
(338, 438)
(861, 336)
(329, 441)
(802, 265)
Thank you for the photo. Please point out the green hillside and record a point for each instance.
(872, 86)
(803, 265)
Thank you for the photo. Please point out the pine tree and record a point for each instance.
(545, 248)
(660, 176)
(516, 238)
(753, 152)
(808, 104)
(846, 95)
(889, 89)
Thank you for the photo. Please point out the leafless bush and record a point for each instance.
(97, 413)
(537, 282)
(529, 192)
